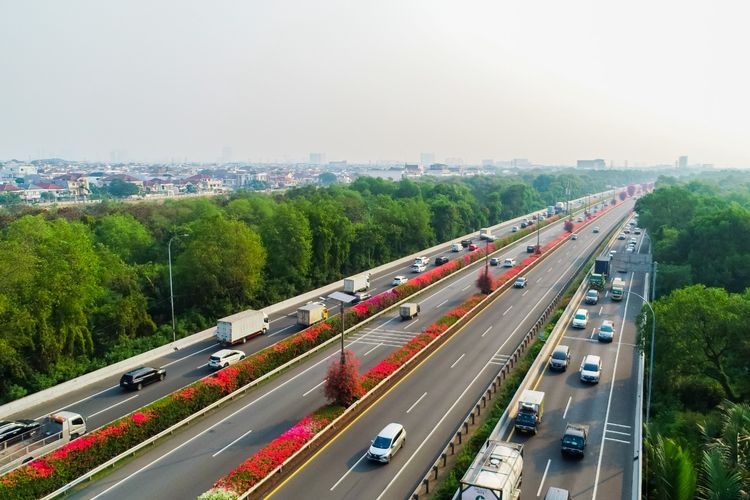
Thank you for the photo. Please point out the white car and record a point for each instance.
(591, 369)
(225, 357)
(514, 229)
(387, 443)
(418, 268)
(399, 280)
(509, 262)
(606, 332)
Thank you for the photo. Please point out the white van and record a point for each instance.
(581, 318)
(387, 443)
(456, 247)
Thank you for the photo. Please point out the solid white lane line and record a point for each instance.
(415, 402)
(112, 406)
(281, 331)
(443, 302)
(565, 413)
(230, 444)
(507, 310)
(189, 355)
(600, 310)
(617, 432)
(368, 352)
(308, 392)
(201, 366)
(487, 330)
(459, 359)
(609, 400)
(544, 476)
(347, 472)
(620, 425)
(617, 440)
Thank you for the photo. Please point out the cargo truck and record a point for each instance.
(358, 283)
(598, 278)
(54, 431)
(241, 326)
(311, 313)
(559, 207)
(495, 473)
(618, 288)
(409, 310)
(486, 234)
(550, 211)
(530, 411)
(574, 440)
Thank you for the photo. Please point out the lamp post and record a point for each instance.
(171, 293)
(651, 354)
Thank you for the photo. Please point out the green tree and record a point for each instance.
(219, 271)
(327, 178)
(121, 189)
(671, 472)
(288, 238)
(125, 236)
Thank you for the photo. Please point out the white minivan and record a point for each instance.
(581, 318)
(387, 443)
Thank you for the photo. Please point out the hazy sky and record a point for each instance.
(552, 81)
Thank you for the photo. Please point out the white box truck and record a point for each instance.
(618, 288)
(241, 326)
(495, 473)
(54, 431)
(358, 283)
(408, 310)
(530, 411)
(311, 313)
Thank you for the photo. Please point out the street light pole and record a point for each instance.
(343, 329)
(171, 293)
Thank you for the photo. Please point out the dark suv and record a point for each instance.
(465, 243)
(139, 377)
(439, 261)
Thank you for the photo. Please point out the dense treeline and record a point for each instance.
(699, 438)
(86, 286)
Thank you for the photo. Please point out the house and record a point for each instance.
(160, 186)
(38, 191)
(75, 184)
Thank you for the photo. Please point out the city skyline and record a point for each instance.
(551, 82)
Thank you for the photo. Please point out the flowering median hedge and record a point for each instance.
(265, 461)
(53, 471)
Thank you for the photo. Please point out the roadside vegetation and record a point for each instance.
(87, 286)
(698, 441)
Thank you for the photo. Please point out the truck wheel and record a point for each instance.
(225, 365)
(139, 387)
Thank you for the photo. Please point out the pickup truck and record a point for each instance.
(574, 440)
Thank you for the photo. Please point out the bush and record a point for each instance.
(700, 394)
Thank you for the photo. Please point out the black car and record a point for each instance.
(466, 243)
(439, 261)
(139, 377)
(10, 430)
(530, 248)
(523, 225)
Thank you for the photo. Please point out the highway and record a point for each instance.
(609, 408)
(214, 446)
(433, 400)
(105, 401)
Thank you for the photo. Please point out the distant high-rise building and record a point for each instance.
(520, 163)
(226, 154)
(317, 158)
(682, 162)
(426, 159)
(488, 163)
(597, 164)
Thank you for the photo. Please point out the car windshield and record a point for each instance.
(574, 441)
(592, 294)
(591, 367)
(606, 328)
(558, 355)
(580, 316)
(381, 442)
